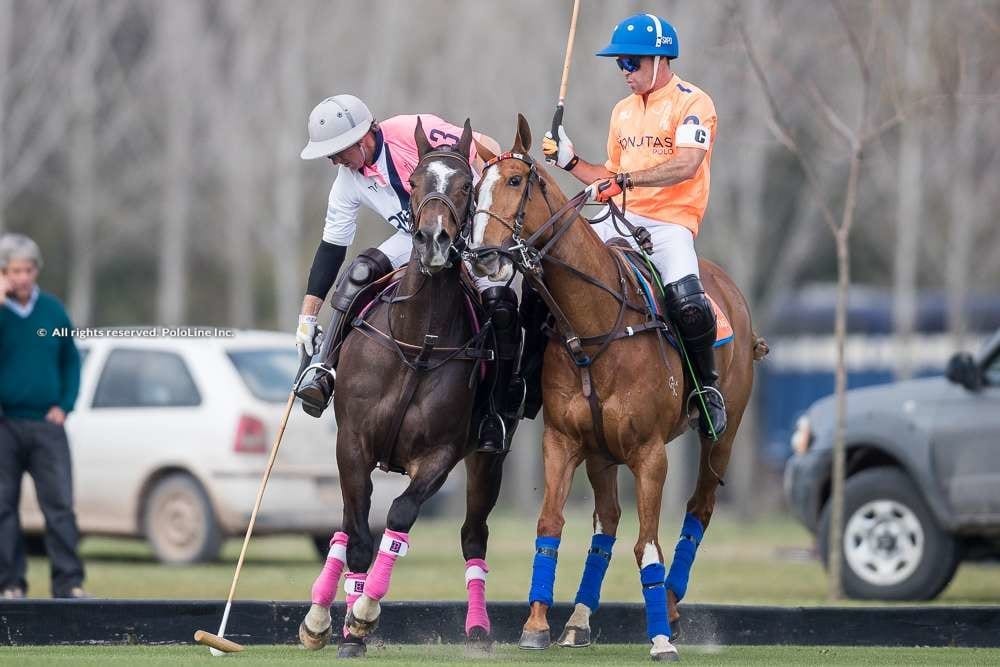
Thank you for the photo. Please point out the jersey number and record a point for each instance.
(437, 137)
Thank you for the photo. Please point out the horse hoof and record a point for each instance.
(534, 640)
(352, 647)
(670, 656)
(478, 643)
(314, 641)
(359, 627)
(574, 637)
(663, 650)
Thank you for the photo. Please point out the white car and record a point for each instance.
(170, 437)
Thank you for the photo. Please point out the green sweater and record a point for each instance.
(37, 372)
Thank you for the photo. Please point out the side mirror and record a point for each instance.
(962, 369)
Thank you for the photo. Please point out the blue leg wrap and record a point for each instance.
(598, 559)
(543, 570)
(680, 569)
(655, 595)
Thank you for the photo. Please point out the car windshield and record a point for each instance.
(267, 372)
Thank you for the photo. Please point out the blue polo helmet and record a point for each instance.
(642, 35)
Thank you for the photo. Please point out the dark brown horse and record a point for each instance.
(613, 395)
(404, 401)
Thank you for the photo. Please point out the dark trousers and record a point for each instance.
(39, 448)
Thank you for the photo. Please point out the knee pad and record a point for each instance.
(691, 311)
(369, 266)
(366, 268)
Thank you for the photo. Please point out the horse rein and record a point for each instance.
(528, 260)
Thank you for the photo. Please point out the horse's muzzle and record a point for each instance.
(435, 252)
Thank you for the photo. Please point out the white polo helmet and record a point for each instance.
(336, 123)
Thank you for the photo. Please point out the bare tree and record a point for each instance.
(6, 16)
(911, 210)
(178, 37)
(287, 228)
(854, 136)
(83, 162)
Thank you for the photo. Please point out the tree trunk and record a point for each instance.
(6, 15)
(177, 31)
(910, 208)
(83, 166)
(286, 233)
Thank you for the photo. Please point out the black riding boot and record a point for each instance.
(692, 315)
(368, 267)
(507, 396)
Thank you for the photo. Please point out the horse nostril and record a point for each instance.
(442, 238)
(420, 237)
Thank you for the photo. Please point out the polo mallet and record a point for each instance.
(558, 116)
(218, 644)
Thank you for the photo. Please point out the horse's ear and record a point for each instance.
(423, 145)
(522, 141)
(465, 143)
(483, 152)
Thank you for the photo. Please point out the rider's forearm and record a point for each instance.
(668, 173)
(587, 172)
(311, 305)
(326, 264)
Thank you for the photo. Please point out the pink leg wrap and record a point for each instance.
(394, 544)
(475, 584)
(354, 584)
(324, 589)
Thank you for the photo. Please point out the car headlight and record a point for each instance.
(802, 436)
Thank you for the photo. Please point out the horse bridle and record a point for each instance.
(528, 259)
(460, 244)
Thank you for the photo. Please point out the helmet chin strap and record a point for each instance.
(364, 154)
(656, 69)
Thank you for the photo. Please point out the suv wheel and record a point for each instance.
(893, 548)
(179, 522)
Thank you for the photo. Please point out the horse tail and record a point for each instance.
(760, 347)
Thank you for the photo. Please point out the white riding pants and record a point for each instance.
(673, 245)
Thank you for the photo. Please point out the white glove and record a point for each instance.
(309, 334)
(560, 154)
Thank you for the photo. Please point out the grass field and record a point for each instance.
(764, 562)
(422, 655)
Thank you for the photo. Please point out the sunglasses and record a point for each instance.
(628, 63)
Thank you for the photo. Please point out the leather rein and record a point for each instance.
(529, 261)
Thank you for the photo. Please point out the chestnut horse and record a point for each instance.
(613, 391)
(405, 392)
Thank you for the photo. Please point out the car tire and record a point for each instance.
(897, 549)
(179, 522)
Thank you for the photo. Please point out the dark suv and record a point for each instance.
(923, 478)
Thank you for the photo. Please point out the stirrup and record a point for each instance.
(319, 368)
(312, 407)
(503, 448)
(695, 417)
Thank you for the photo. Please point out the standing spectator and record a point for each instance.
(39, 379)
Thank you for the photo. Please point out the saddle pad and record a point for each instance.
(723, 328)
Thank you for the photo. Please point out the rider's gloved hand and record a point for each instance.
(308, 334)
(603, 189)
(559, 153)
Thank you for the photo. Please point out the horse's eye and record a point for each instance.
(412, 184)
(514, 181)
(467, 188)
